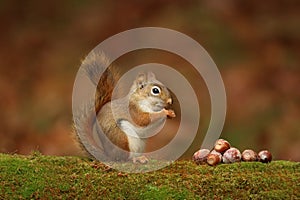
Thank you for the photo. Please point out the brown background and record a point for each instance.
(255, 44)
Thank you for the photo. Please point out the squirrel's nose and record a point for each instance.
(169, 101)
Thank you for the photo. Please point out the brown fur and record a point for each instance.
(93, 66)
(139, 117)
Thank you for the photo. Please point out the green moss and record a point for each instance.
(38, 176)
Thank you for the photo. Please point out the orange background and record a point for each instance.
(255, 45)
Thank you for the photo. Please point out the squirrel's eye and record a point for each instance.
(155, 90)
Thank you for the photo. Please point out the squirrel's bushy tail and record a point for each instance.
(85, 124)
(94, 65)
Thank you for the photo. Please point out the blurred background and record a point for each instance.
(255, 44)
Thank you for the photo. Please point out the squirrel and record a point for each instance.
(125, 122)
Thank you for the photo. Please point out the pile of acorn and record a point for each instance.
(224, 153)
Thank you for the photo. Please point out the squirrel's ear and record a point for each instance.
(141, 80)
(151, 76)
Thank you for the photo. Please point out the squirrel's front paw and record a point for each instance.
(171, 113)
(140, 159)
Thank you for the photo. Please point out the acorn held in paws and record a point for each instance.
(231, 155)
(221, 145)
(200, 156)
(214, 158)
(264, 156)
(249, 155)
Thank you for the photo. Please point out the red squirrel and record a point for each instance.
(126, 121)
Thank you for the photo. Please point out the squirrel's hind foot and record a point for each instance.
(140, 159)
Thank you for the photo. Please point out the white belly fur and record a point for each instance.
(137, 136)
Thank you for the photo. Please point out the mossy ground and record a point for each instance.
(49, 177)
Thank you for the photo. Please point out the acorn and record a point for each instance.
(265, 156)
(221, 145)
(232, 155)
(200, 156)
(214, 158)
(249, 155)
